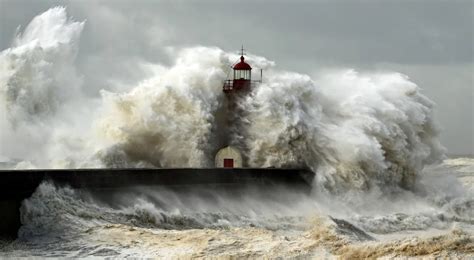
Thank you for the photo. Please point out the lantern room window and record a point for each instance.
(242, 74)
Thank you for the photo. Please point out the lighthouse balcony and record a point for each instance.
(238, 84)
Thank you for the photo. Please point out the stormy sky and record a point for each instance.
(430, 41)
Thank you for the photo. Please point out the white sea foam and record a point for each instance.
(40, 90)
(354, 130)
(368, 137)
(155, 222)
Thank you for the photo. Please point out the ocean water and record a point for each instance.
(383, 186)
(146, 222)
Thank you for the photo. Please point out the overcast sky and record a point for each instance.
(430, 41)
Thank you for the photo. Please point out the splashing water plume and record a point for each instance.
(354, 130)
(367, 136)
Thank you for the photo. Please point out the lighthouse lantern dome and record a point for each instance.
(242, 70)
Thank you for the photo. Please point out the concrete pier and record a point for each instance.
(17, 185)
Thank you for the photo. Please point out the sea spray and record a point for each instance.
(355, 130)
(38, 72)
(38, 85)
(364, 134)
(150, 221)
(167, 121)
(53, 209)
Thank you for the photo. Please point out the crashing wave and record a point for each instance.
(356, 131)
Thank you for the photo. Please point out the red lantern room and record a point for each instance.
(242, 76)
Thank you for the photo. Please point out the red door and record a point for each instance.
(228, 163)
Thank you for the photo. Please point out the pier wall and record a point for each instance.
(17, 185)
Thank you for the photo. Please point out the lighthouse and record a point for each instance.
(242, 80)
(236, 88)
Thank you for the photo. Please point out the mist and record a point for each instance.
(355, 130)
(430, 42)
